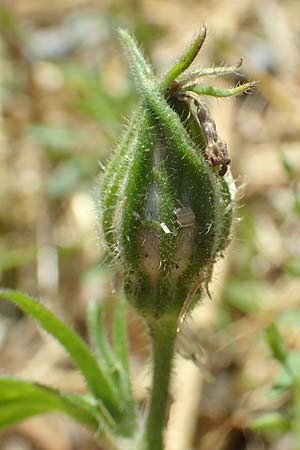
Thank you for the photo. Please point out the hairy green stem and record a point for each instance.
(163, 335)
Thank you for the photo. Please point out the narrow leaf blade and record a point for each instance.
(120, 344)
(186, 60)
(205, 89)
(120, 338)
(21, 399)
(96, 380)
(276, 343)
(98, 338)
(115, 360)
(213, 71)
(141, 67)
(272, 421)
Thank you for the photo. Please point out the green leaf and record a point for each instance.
(140, 68)
(287, 165)
(273, 421)
(276, 344)
(204, 89)
(120, 344)
(120, 338)
(186, 60)
(114, 360)
(22, 399)
(101, 387)
(209, 72)
(99, 340)
(288, 374)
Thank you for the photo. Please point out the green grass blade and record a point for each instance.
(98, 383)
(22, 399)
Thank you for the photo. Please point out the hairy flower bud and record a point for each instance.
(166, 199)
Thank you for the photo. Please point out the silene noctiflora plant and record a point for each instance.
(166, 208)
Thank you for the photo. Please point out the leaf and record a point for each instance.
(22, 399)
(204, 89)
(120, 338)
(99, 340)
(273, 421)
(186, 60)
(114, 360)
(276, 344)
(288, 374)
(120, 345)
(101, 387)
(209, 72)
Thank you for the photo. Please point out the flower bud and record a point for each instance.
(166, 203)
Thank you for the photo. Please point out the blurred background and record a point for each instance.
(65, 92)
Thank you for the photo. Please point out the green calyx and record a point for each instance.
(166, 199)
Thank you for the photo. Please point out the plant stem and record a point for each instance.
(163, 334)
